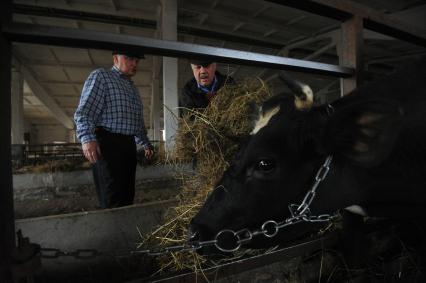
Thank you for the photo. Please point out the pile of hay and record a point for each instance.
(211, 137)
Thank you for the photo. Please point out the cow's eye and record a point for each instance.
(265, 165)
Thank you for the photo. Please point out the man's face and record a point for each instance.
(127, 65)
(204, 75)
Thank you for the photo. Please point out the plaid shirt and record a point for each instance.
(111, 101)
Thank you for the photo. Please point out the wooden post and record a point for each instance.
(350, 52)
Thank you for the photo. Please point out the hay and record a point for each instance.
(211, 136)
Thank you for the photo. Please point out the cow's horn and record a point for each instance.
(304, 96)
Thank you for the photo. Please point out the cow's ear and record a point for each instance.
(365, 131)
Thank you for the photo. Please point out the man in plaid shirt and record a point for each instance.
(109, 121)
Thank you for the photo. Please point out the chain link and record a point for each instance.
(299, 213)
(78, 254)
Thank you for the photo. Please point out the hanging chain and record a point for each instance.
(299, 213)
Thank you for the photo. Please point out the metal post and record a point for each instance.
(155, 108)
(17, 105)
(7, 219)
(155, 87)
(170, 74)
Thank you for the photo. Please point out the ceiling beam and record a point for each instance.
(102, 40)
(312, 56)
(138, 22)
(328, 32)
(343, 10)
(46, 99)
(232, 15)
(390, 59)
(31, 10)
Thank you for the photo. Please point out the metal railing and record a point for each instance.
(31, 154)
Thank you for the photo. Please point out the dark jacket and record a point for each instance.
(192, 97)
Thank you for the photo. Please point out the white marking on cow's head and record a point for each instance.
(357, 210)
(305, 101)
(264, 118)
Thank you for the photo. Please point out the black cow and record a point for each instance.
(376, 137)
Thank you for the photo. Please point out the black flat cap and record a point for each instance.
(129, 53)
(203, 63)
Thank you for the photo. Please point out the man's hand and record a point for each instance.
(91, 150)
(144, 153)
(149, 152)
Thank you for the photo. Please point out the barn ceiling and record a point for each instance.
(249, 25)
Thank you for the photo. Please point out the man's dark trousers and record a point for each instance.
(114, 172)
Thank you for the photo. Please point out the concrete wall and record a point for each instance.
(33, 185)
(105, 230)
(111, 232)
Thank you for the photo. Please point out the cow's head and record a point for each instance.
(278, 164)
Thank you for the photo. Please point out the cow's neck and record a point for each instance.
(396, 199)
(389, 198)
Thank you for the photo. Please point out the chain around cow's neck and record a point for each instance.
(270, 228)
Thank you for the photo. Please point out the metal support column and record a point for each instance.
(170, 74)
(17, 105)
(155, 106)
(155, 87)
(7, 219)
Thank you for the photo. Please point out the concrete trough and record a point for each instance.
(108, 231)
(35, 185)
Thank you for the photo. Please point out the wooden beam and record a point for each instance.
(350, 53)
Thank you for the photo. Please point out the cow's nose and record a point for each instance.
(193, 233)
(198, 233)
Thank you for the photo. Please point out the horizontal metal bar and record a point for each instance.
(239, 266)
(102, 40)
(373, 20)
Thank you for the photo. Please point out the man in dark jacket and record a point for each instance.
(199, 90)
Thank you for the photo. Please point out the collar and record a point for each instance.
(209, 89)
(117, 71)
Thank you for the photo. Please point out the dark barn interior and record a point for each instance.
(47, 196)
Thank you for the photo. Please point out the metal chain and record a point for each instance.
(299, 213)
(79, 254)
